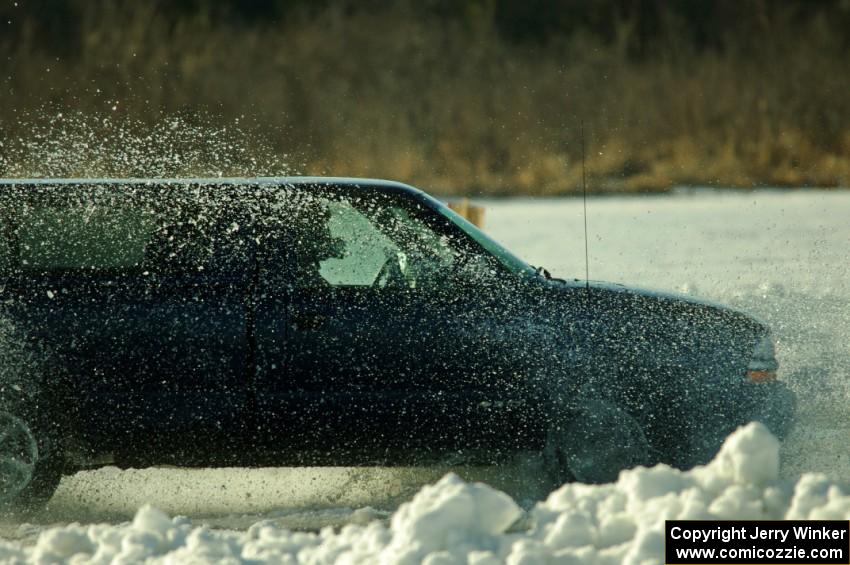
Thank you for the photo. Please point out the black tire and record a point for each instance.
(42, 486)
(30, 469)
(594, 443)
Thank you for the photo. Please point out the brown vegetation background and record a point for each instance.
(482, 96)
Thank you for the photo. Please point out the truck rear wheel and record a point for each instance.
(28, 477)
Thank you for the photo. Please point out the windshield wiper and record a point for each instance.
(543, 272)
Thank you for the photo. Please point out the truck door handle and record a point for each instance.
(500, 404)
(308, 322)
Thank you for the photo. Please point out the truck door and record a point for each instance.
(366, 338)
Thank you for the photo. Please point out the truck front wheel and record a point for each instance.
(595, 443)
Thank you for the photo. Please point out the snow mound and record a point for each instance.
(454, 522)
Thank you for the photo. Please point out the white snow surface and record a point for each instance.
(780, 255)
(456, 522)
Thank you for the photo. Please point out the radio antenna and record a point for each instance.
(584, 202)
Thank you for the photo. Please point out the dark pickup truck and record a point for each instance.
(263, 321)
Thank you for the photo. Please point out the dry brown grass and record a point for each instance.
(457, 109)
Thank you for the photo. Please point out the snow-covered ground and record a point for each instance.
(454, 521)
(783, 256)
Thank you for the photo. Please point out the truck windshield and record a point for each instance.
(508, 259)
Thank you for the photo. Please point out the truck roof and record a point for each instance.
(218, 181)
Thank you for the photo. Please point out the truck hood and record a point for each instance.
(635, 298)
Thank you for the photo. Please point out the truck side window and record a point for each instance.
(198, 238)
(115, 233)
(352, 243)
(82, 237)
(365, 249)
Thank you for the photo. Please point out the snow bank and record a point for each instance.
(456, 522)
